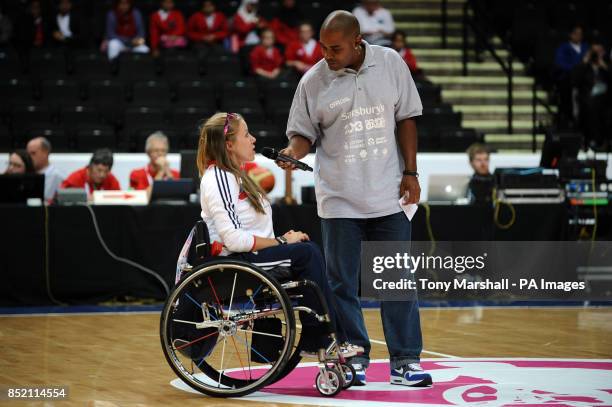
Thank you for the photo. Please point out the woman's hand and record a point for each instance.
(295, 237)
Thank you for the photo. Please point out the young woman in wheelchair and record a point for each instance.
(239, 220)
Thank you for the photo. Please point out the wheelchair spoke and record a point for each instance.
(229, 310)
(222, 356)
(255, 350)
(216, 296)
(246, 339)
(261, 333)
(239, 358)
(197, 340)
(252, 297)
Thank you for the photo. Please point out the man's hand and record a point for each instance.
(411, 185)
(285, 165)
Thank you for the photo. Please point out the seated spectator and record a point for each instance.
(568, 55)
(96, 176)
(207, 28)
(125, 30)
(303, 54)
(6, 29)
(39, 149)
(245, 25)
(30, 30)
(480, 187)
(398, 43)
(376, 22)
(266, 60)
(158, 168)
(19, 163)
(167, 28)
(65, 27)
(592, 79)
(285, 24)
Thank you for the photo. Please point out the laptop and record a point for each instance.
(71, 196)
(172, 191)
(447, 188)
(189, 167)
(18, 188)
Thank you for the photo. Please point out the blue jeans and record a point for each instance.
(342, 239)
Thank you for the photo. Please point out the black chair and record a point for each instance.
(190, 116)
(440, 119)
(137, 67)
(73, 116)
(60, 90)
(137, 117)
(182, 66)
(6, 139)
(138, 137)
(90, 138)
(241, 93)
(9, 64)
(55, 134)
(109, 98)
(16, 91)
(151, 93)
(251, 114)
(196, 93)
(48, 63)
(91, 65)
(24, 115)
(223, 67)
(458, 140)
(278, 95)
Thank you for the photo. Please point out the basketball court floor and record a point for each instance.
(481, 356)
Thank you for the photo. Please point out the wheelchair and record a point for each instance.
(228, 328)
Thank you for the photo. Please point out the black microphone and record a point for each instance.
(276, 156)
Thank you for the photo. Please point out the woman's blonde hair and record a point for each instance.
(211, 147)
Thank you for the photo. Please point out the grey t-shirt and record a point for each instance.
(351, 116)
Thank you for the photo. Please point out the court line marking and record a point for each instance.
(444, 355)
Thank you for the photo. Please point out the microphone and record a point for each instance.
(276, 156)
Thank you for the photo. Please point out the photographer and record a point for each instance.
(591, 79)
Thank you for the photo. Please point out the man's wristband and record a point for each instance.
(411, 173)
(281, 240)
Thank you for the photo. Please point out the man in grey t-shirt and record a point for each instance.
(358, 107)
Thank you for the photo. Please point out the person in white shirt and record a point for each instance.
(376, 22)
(39, 149)
(65, 27)
(239, 219)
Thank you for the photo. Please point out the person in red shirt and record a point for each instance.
(167, 28)
(207, 27)
(158, 168)
(285, 24)
(96, 176)
(246, 23)
(398, 43)
(266, 60)
(303, 54)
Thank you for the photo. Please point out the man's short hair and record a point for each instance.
(102, 156)
(45, 144)
(158, 135)
(477, 148)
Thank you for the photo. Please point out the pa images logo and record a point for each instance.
(460, 382)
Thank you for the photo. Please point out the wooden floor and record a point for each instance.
(116, 360)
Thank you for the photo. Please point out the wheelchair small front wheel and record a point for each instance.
(348, 374)
(329, 382)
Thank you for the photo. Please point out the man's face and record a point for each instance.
(123, 6)
(208, 7)
(576, 35)
(167, 5)
(337, 48)
(305, 32)
(157, 148)
(480, 164)
(64, 6)
(370, 5)
(38, 155)
(98, 173)
(35, 9)
(267, 39)
(398, 42)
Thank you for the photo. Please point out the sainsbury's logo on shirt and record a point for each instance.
(364, 111)
(339, 102)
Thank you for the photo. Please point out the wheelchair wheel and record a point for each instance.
(329, 382)
(227, 329)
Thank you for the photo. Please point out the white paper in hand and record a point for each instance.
(409, 209)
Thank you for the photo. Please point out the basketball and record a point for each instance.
(263, 177)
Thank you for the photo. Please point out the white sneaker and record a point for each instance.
(349, 350)
(360, 374)
(411, 375)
